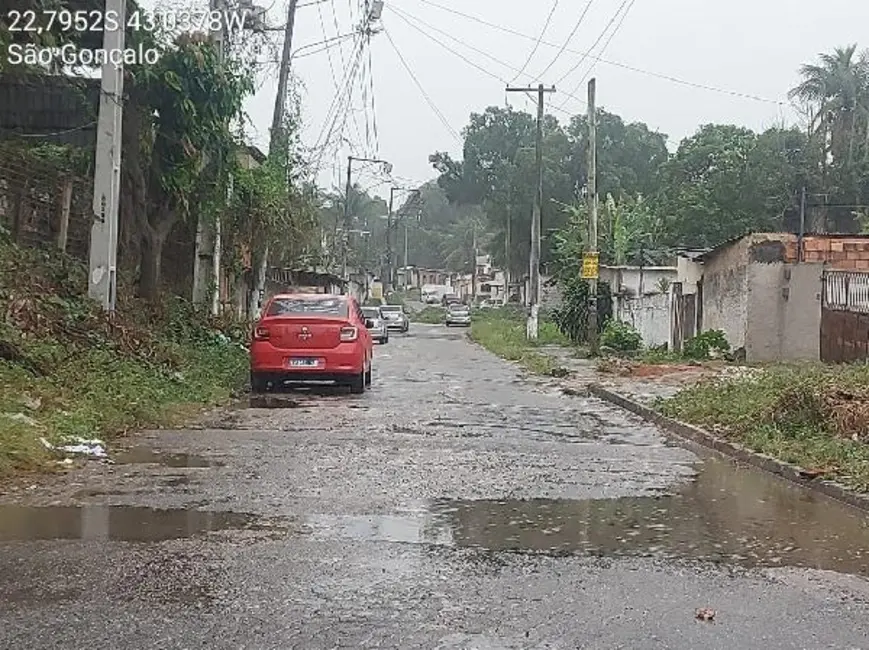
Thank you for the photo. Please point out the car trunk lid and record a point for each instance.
(304, 333)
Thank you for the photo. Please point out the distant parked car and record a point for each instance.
(432, 299)
(395, 317)
(458, 314)
(379, 330)
(311, 337)
(449, 299)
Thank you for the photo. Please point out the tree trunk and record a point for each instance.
(151, 262)
(259, 266)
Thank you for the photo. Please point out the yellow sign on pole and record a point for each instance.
(590, 266)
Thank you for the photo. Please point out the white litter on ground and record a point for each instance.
(95, 448)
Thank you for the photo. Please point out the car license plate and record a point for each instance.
(304, 363)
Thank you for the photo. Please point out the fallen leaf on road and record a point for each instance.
(704, 614)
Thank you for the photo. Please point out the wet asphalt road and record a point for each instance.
(455, 505)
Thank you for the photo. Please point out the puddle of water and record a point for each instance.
(144, 455)
(113, 523)
(730, 515)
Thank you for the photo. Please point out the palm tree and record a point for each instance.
(836, 92)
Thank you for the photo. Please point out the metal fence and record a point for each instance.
(41, 205)
(847, 291)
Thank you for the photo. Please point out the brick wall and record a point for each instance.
(845, 253)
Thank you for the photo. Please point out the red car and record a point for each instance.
(311, 337)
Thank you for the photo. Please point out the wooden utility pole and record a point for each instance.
(592, 215)
(534, 263)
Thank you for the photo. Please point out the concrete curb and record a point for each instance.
(792, 473)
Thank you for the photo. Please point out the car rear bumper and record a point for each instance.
(296, 376)
(397, 325)
(465, 321)
(345, 359)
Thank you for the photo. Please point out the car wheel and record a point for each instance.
(385, 340)
(258, 383)
(357, 384)
(368, 377)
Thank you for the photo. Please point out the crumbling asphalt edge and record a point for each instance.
(699, 436)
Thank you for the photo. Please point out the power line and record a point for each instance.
(339, 104)
(406, 17)
(567, 40)
(340, 53)
(624, 66)
(594, 45)
(425, 96)
(373, 107)
(537, 43)
(401, 14)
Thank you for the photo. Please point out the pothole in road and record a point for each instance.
(147, 456)
(119, 523)
(726, 515)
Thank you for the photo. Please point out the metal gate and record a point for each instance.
(845, 316)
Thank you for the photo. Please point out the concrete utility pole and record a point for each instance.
(534, 292)
(507, 256)
(345, 234)
(102, 280)
(474, 263)
(592, 214)
(388, 278)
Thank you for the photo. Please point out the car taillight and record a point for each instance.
(261, 333)
(349, 334)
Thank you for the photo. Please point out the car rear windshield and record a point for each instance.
(391, 308)
(371, 312)
(458, 307)
(308, 307)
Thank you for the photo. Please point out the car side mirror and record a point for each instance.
(369, 323)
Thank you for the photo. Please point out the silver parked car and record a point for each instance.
(378, 329)
(458, 314)
(395, 317)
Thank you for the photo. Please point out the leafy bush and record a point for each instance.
(571, 316)
(705, 345)
(620, 336)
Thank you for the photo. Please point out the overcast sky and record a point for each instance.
(747, 47)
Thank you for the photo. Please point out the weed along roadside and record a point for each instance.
(502, 332)
(69, 374)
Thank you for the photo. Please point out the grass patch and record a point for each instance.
(502, 331)
(67, 369)
(812, 415)
(430, 315)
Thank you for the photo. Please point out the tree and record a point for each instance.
(176, 128)
(721, 184)
(835, 92)
(628, 155)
